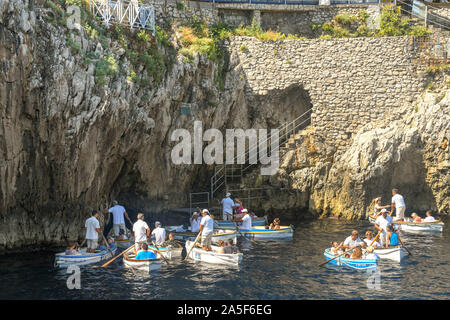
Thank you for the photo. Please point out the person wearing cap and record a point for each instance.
(159, 234)
(195, 222)
(381, 224)
(227, 207)
(118, 213)
(141, 232)
(246, 220)
(399, 204)
(92, 231)
(207, 228)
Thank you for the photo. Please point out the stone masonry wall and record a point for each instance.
(350, 81)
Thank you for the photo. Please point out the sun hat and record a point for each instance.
(157, 224)
(244, 210)
(228, 194)
(205, 211)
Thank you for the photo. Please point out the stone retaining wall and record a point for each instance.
(350, 81)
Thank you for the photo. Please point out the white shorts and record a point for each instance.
(206, 239)
(400, 212)
(92, 243)
(117, 228)
(227, 216)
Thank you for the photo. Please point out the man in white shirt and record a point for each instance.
(118, 213)
(159, 234)
(381, 224)
(92, 230)
(227, 207)
(195, 222)
(399, 204)
(429, 217)
(207, 228)
(141, 232)
(246, 220)
(351, 242)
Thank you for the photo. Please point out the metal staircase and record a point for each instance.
(226, 176)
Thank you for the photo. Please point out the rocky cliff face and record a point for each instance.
(406, 151)
(69, 142)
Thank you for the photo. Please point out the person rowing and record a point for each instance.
(378, 207)
(92, 231)
(141, 232)
(246, 220)
(381, 224)
(159, 233)
(207, 228)
(118, 212)
(398, 203)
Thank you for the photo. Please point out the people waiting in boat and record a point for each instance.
(357, 253)
(171, 241)
(253, 215)
(238, 208)
(336, 248)
(72, 249)
(370, 254)
(369, 238)
(275, 224)
(381, 224)
(429, 217)
(122, 235)
(159, 234)
(207, 228)
(230, 247)
(415, 217)
(352, 241)
(221, 245)
(392, 239)
(144, 253)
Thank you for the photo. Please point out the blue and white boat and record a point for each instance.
(358, 264)
(61, 259)
(261, 233)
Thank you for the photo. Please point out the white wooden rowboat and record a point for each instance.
(198, 254)
(219, 234)
(168, 252)
(261, 233)
(231, 225)
(144, 264)
(61, 259)
(418, 227)
(395, 253)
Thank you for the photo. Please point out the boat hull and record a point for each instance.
(220, 235)
(357, 264)
(213, 257)
(395, 253)
(144, 265)
(420, 227)
(260, 233)
(61, 259)
(230, 224)
(123, 243)
(169, 252)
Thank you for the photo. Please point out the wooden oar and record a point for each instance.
(374, 239)
(195, 241)
(336, 257)
(165, 259)
(132, 246)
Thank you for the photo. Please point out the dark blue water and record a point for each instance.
(270, 270)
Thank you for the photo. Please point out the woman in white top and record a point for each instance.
(369, 238)
(429, 217)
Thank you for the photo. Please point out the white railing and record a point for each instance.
(128, 13)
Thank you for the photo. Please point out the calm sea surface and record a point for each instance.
(270, 270)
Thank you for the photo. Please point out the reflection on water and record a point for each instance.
(270, 270)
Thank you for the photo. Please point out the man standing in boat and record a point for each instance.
(227, 207)
(141, 231)
(92, 231)
(246, 220)
(207, 228)
(118, 213)
(159, 233)
(399, 204)
(381, 223)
